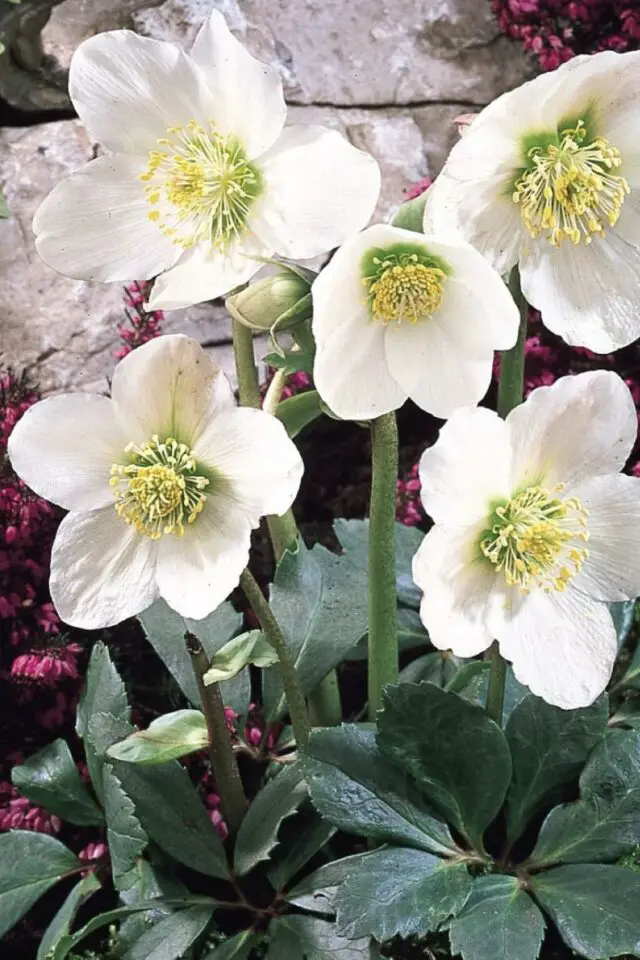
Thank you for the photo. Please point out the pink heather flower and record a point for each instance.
(94, 851)
(48, 666)
(142, 325)
(17, 813)
(417, 189)
(409, 510)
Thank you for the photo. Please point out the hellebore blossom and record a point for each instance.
(164, 482)
(548, 176)
(535, 529)
(201, 181)
(397, 314)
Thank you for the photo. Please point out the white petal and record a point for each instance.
(63, 448)
(612, 570)
(434, 367)
(582, 426)
(320, 189)
(201, 275)
(198, 571)
(95, 226)
(247, 93)
(128, 90)
(588, 295)
(102, 571)
(457, 588)
(468, 467)
(171, 387)
(562, 646)
(252, 451)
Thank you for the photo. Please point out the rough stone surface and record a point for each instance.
(390, 74)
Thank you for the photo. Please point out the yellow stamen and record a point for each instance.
(405, 291)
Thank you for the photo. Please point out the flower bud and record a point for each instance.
(280, 300)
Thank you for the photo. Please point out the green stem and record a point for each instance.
(246, 370)
(510, 388)
(325, 705)
(383, 627)
(233, 802)
(292, 689)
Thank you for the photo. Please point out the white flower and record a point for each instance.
(164, 482)
(549, 176)
(534, 530)
(201, 178)
(397, 314)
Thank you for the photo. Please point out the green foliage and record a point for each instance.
(459, 758)
(51, 779)
(308, 599)
(299, 937)
(258, 833)
(356, 788)
(354, 537)
(30, 864)
(549, 749)
(410, 215)
(316, 892)
(299, 411)
(62, 922)
(252, 647)
(400, 892)
(235, 948)
(500, 921)
(125, 836)
(172, 936)
(167, 738)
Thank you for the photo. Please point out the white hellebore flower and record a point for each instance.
(164, 482)
(200, 177)
(397, 314)
(535, 529)
(548, 175)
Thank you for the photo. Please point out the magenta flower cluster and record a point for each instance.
(556, 30)
(140, 325)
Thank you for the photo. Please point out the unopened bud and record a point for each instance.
(279, 301)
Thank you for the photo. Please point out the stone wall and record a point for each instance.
(391, 74)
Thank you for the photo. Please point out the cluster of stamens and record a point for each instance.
(571, 191)
(159, 490)
(403, 289)
(538, 539)
(200, 186)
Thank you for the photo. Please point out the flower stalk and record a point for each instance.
(383, 628)
(233, 801)
(325, 705)
(273, 632)
(510, 390)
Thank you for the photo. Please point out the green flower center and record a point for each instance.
(403, 287)
(200, 186)
(537, 539)
(570, 190)
(161, 490)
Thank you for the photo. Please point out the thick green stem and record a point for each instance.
(325, 705)
(233, 802)
(292, 689)
(509, 396)
(383, 621)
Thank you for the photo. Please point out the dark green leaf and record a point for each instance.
(172, 936)
(236, 948)
(437, 667)
(125, 836)
(105, 693)
(51, 780)
(165, 630)
(410, 214)
(149, 882)
(354, 787)
(310, 838)
(594, 907)
(500, 921)
(316, 892)
(354, 537)
(549, 748)
(411, 634)
(471, 682)
(605, 823)
(458, 756)
(258, 833)
(628, 714)
(299, 411)
(299, 937)
(622, 614)
(30, 863)
(400, 892)
(170, 811)
(63, 920)
(168, 737)
(320, 601)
